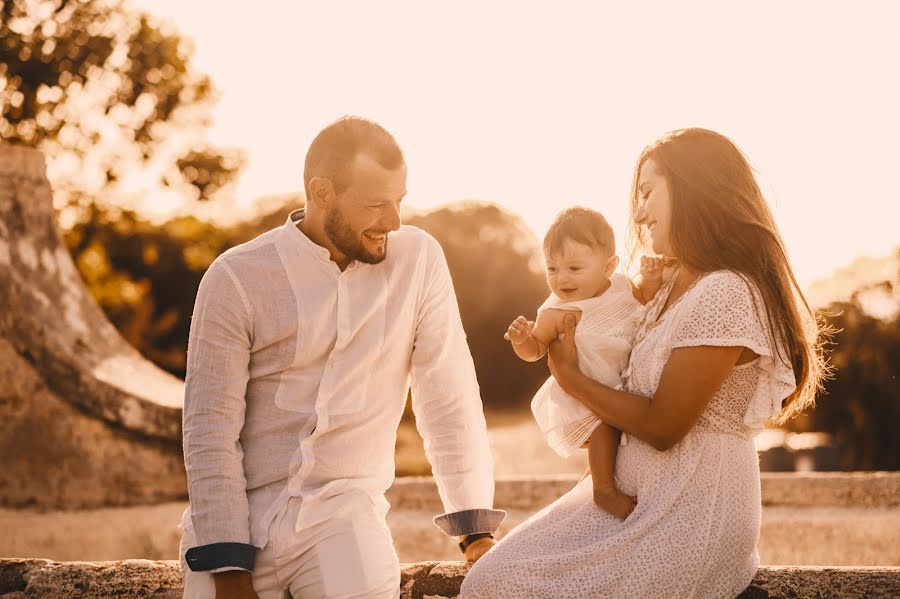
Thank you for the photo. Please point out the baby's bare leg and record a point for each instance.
(602, 450)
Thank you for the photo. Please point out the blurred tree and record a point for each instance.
(111, 97)
(145, 275)
(108, 94)
(497, 272)
(861, 406)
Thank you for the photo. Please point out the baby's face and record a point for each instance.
(578, 271)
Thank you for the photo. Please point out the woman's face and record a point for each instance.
(655, 207)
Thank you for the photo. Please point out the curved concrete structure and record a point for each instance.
(85, 420)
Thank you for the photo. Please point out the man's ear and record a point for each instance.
(322, 191)
(611, 263)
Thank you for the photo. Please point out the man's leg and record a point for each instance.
(351, 555)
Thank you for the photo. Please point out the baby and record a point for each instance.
(579, 250)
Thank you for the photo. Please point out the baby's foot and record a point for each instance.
(612, 501)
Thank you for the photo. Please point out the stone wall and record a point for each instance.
(808, 519)
(142, 579)
(810, 489)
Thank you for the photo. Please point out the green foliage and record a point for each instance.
(106, 92)
(145, 276)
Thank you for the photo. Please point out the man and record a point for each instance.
(302, 346)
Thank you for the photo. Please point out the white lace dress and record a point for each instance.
(603, 337)
(695, 529)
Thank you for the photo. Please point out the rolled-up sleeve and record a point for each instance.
(214, 405)
(447, 404)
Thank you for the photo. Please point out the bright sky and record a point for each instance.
(541, 105)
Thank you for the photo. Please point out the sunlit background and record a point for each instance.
(537, 105)
(176, 129)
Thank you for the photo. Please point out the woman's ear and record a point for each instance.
(322, 191)
(611, 263)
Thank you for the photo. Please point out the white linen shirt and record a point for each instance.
(297, 377)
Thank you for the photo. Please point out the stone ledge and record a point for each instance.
(143, 579)
(787, 489)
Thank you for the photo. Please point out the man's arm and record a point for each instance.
(214, 405)
(447, 404)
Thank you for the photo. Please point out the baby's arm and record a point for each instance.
(530, 340)
(524, 344)
(650, 280)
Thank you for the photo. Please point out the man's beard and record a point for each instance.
(348, 242)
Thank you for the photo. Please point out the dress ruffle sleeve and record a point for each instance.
(726, 310)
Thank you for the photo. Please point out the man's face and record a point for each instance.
(360, 218)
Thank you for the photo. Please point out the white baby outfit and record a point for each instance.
(603, 337)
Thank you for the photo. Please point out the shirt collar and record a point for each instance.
(307, 244)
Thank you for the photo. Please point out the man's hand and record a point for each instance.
(519, 331)
(478, 548)
(234, 584)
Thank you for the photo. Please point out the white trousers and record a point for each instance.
(349, 555)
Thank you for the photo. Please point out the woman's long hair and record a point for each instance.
(720, 220)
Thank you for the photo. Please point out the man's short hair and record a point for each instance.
(583, 225)
(335, 148)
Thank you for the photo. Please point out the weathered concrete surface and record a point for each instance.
(863, 533)
(85, 418)
(824, 583)
(56, 455)
(808, 518)
(798, 536)
(137, 579)
(838, 489)
(140, 579)
(819, 489)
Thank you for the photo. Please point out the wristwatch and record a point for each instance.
(469, 539)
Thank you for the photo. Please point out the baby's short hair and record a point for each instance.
(582, 225)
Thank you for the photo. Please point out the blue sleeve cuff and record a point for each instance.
(221, 555)
(468, 522)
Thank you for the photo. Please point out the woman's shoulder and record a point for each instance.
(724, 282)
(721, 291)
(723, 277)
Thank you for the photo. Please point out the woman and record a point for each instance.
(723, 348)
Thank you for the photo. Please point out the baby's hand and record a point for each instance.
(651, 268)
(519, 331)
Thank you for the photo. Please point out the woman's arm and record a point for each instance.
(689, 380)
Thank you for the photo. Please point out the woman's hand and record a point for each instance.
(563, 358)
